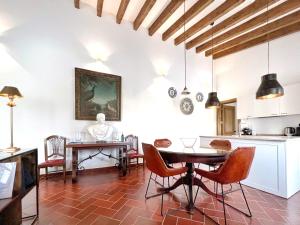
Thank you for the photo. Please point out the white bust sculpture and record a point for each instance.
(101, 131)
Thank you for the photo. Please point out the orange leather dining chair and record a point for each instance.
(221, 144)
(162, 143)
(156, 165)
(55, 154)
(235, 169)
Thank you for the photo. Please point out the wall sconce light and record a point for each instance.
(98, 52)
(11, 93)
(161, 67)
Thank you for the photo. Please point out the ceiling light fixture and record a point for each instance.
(212, 100)
(269, 87)
(185, 90)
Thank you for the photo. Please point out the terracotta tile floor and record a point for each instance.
(106, 199)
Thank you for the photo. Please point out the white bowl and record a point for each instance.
(188, 142)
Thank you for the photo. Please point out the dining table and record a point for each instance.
(190, 156)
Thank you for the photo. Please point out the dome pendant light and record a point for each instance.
(269, 87)
(185, 91)
(212, 100)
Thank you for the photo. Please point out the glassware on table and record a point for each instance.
(188, 142)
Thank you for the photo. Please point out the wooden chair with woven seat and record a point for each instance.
(55, 154)
(235, 169)
(157, 166)
(133, 151)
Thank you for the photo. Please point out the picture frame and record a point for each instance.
(97, 92)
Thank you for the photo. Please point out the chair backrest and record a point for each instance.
(237, 167)
(162, 143)
(221, 144)
(154, 161)
(134, 143)
(55, 147)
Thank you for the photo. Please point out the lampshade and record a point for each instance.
(10, 92)
(212, 101)
(269, 87)
(185, 91)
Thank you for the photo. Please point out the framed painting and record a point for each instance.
(97, 92)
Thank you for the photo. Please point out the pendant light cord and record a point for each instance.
(212, 57)
(184, 21)
(268, 37)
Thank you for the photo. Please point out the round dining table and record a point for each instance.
(189, 156)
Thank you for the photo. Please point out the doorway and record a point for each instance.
(226, 118)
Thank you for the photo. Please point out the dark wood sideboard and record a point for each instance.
(23, 206)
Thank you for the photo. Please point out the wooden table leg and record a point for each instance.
(74, 164)
(190, 181)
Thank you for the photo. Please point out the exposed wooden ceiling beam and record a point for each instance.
(277, 11)
(143, 13)
(275, 25)
(212, 16)
(76, 4)
(166, 13)
(190, 14)
(121, 10)
(99, 7)
(250, 10)
(262, 39)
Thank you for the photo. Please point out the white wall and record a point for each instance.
(42, 41)
(240, 73)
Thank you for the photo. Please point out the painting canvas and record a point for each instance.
(95, 93)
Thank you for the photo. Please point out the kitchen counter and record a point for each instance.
(255, 137)
(275, 168)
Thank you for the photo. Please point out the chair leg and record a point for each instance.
(223, 201)
(148, 185)
(38, 173)
(250, 214)
(64, 168)
(162, 200)
(46, 170)
(168, 181)
(197, 192)
(187, 197)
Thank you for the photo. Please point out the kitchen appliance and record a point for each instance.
(246, 131)
(289, 131)
(297, 133)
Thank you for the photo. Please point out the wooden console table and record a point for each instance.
(81, 146)
(26, 181)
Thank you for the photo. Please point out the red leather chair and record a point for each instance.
(221, 144)
(133, 154)
(235, 169)
(162, 143)
(156, 165)
(55, 154)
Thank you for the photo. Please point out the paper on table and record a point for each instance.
(7, 178)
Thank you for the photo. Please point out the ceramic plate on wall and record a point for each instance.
(186, 106)
(172, 92)
(199, 97)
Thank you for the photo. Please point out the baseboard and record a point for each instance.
(86, 171)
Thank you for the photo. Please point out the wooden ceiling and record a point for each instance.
(243, 28)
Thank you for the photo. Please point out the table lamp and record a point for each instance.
(11, 93)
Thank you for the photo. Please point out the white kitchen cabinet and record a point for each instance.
(267, 107)
(248, 106)
(275, 168)
(289, 103)
(245, 106)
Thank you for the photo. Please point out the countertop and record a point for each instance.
(255, 137)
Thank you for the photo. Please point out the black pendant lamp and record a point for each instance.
(185, 91)
(269, 87)
(212, 100)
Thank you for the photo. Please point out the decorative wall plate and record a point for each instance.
(172, 92)
(186, 106)
(199, 97)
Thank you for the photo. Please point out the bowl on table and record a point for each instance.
(188, 142)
